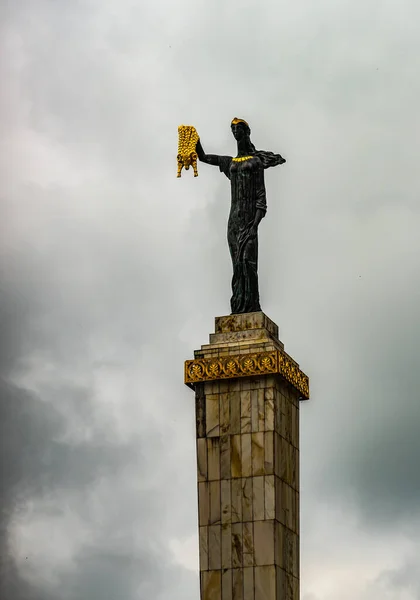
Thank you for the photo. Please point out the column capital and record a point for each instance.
(245, 345)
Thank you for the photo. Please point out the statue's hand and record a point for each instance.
(199, 149)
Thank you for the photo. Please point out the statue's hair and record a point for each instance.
(247, 128)
(235, 121)
(268, 159)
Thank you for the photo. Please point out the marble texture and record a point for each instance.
(264, 543)
(211, 585)
(247, 492)
(247, 336)
(203, 503)
(257, 410)
(236, 456)
(269, 453)
(258, 463)
(269, 497)
(215, 503)
(249, 593)
(226, 546)
(248, 544)
(246, 411)
(247, 474)
(215, 547)
(202, 472)
(203, 539)
(237, 584)
(237, 550)
(246, 322)
(225, 456)
(265, 583)
(246, 462)
(224, 413)
(236, 500)
(258, 509)
(212, 415)
(225, 502)
(227, 585)
(213, 458)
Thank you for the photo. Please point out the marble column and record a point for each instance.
(247, 394)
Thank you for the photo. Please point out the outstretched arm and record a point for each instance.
(210, 159)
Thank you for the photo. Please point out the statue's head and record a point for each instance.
(240, 129)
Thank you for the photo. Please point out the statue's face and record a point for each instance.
(238, 131)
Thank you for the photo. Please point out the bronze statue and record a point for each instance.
(248, 205)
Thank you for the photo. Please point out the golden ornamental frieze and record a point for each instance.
(247, 365)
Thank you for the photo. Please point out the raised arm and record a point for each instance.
(210, 159)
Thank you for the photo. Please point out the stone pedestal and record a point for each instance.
(247, 392)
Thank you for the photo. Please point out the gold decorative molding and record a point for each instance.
(247, 365)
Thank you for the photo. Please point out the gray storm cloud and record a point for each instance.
(112, 271)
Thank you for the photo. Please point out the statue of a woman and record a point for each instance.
(248, 207)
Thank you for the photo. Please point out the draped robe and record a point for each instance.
(247, 196)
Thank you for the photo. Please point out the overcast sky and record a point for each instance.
(112, 271)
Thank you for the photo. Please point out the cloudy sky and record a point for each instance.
(112, 271)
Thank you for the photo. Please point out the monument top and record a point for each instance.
(245, 171)
(245, 345)
(246, 321)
